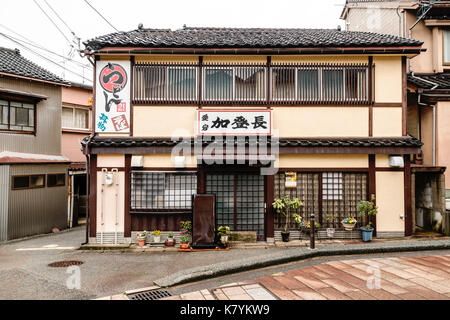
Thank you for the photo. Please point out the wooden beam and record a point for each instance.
(127, 200)
(407, 188)
(373, 187)
(270, 195)
(404, 97)
(93, 196)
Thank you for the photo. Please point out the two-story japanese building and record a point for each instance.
(33, 172)
(230, 112)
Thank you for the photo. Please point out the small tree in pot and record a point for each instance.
(367, 209)
(285, 206)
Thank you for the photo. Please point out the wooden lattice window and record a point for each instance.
(332, 196)
(162, 190)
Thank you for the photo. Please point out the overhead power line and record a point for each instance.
(51, 20)
(90, 5)
(35, 45)
(59, 17)
(45, 58)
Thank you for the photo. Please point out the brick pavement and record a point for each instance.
(405, 278)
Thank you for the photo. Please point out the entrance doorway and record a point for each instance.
(240, 201)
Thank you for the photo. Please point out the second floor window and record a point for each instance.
(233, 83)
(165, 83)
(75, 118)
(327, 84)
(447, 47)
(252, 84)
(17, 116)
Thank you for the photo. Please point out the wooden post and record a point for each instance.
(127, 200)
(270, 186)
(407, 192)
(93, 196)
(373, 188)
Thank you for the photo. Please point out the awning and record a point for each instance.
(7, 157)
(31, 95)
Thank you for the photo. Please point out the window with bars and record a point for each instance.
(177, 83)
(162, 190)
(327, 84)
(332, 196)
(17, 116)
(234, 83)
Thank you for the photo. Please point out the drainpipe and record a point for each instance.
(414, 24)
(419, 103)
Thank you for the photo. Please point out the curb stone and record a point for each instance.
(297, 254)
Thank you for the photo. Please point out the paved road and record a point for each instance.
(25, 274)
(406, 276)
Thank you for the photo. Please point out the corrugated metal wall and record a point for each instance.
(4, 189)
(48, 134)
(36, 211)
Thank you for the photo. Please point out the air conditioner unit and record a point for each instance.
(396, 162)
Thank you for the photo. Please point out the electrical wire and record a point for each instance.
(31, 43)
(45, 58)
(51, 20)
(87, 2)
(59, 17)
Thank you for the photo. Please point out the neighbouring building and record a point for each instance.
(33, 173)
(76, 125)
(428, 94)
(248, 115)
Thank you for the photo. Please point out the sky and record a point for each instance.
(25, 21)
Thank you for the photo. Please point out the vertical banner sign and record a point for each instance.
(113, 95)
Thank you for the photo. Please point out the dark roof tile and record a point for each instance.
(409, 141)
(12, 62)
(423, 80)
(246, 38)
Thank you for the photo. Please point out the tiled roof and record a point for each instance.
(441, 79)
(12, 62)
(246, 38)
(401, 142)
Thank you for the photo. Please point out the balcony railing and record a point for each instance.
(251, 84)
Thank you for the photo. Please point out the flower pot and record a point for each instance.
(184, 245)
(285, 236)
(348, 226)
(170, 242)
(367, 234)
(141, 242)
(157, 239)
(224, 239)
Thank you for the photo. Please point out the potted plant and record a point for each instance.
(306, 226)
(223, 233)
(367, 209)
(349, 223)
(142, 237)
(156, 236)
(285, 206)
(170, 241)
(184, 239)
(185, 234)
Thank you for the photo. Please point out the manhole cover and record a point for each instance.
(150, 295)
(65, 264)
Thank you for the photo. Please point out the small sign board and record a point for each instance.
(291, 180)
(234, 122)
